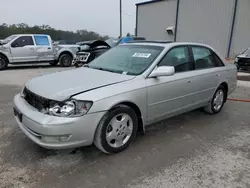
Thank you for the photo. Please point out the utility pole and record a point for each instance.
(120, 18)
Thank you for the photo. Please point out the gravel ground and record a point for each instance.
(191, 150)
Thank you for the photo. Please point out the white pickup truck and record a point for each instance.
(34, 49)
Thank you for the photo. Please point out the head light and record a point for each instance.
(70, 108)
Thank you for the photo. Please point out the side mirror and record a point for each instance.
(162, 71)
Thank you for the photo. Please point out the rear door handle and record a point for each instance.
(189, 81)
(49, 48)
(217, 74)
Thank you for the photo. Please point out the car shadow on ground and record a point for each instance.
(11, 67)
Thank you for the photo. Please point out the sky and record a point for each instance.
(101, 16)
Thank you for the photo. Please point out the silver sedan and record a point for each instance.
(121, 92)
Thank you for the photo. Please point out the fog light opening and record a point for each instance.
(65, 138)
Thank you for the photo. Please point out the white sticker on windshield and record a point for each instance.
(142, 55)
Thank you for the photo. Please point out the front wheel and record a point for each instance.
(3, 62)
(116, 130)
(217, 101)
(65, 60)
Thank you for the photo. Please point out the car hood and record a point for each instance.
(242, 56)
(61, 85)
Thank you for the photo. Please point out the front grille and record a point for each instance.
(244, 61)
(82, 56)
(35, 100)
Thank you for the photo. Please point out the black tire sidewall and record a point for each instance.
(212, 102)
(105, 123)
(61, 60)
(5, 61)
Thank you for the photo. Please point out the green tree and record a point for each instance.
(22, 28)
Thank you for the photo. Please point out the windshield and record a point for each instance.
(8, 39)
(84, 47)
(127, 59)
(112, 42)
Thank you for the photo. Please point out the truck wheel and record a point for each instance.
(3, 62)
(65, 60)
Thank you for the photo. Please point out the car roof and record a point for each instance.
(31, 34)
(166, 44)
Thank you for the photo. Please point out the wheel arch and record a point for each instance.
(225, 85)
(5, 56)
(133, 106)
(65, 52)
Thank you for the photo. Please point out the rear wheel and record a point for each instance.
(116, 130)
(3, 62)
(65, 60)
(217, 101)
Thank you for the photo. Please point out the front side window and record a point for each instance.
(203, 58)
(22, 41)
(127, 59)
(41, 40)
(179, 58)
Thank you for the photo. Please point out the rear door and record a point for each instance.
(207, 73)
(44, 48)
(23, 49)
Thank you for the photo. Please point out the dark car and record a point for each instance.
(89, 50)
(242, 61)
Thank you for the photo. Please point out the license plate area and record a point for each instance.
(18, 114)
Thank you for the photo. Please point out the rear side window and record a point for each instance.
(203, 58)
(41, 40)
(22, 41)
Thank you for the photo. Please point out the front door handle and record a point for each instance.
(217, 74)
(189, 81)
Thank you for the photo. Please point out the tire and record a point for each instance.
(65, 60)
(53, 63)
(3, 62)
(214, 108)
(118, 139)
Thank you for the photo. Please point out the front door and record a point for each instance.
(168, 95)
(43, 48)
(23, 50)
